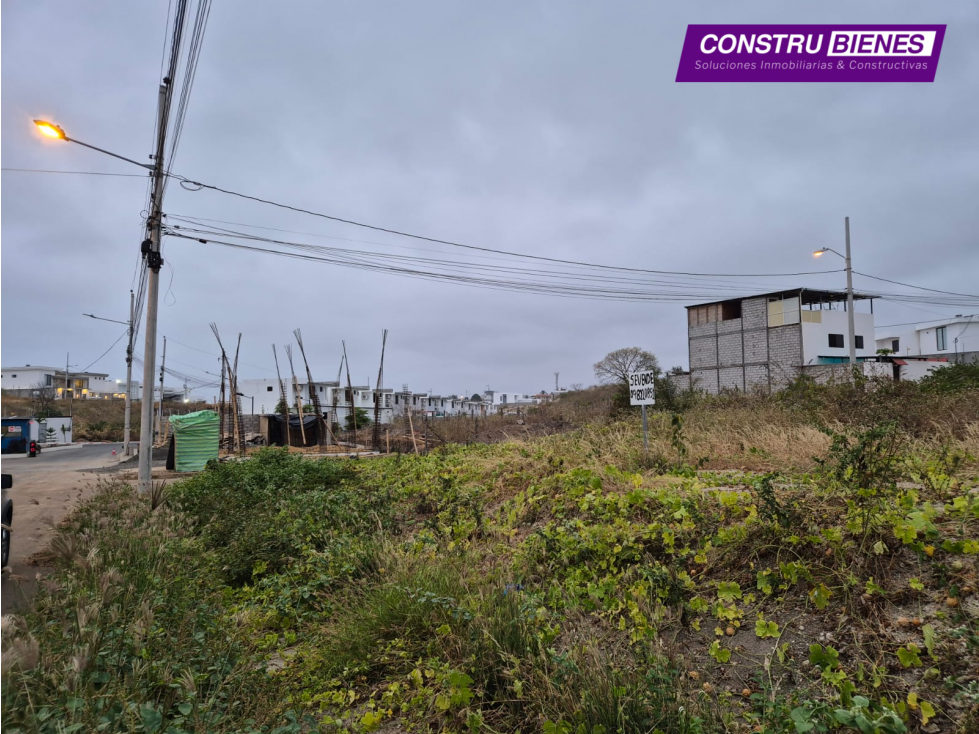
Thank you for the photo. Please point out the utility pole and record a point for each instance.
(151, 253)
(163, 364)
(849, 298)
(129, 378)
(67, 357)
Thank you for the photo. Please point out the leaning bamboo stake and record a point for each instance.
(350, 390)
(321, 432)
(236, 405)
(299, 397)
(411, 425)
(282, 399)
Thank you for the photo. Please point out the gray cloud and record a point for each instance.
(547, 128)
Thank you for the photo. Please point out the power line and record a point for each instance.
(77, 173)
(125, 333)
(555, 289)
(469, 266)
(918, 287)
(435, 240)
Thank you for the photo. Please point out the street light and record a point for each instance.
(127, 422)
(151, 256)
(50, 129)
(849, 290)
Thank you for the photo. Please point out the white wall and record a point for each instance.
(915, 370)
(815, 335)
(24, 379)
(967, 333)
(265, 398)
(921, 339)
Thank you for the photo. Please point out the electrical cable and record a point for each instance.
(125, 333)
(77, 173)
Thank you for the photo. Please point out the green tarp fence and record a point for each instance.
(196, 439)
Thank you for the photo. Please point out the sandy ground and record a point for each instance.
(45, 489)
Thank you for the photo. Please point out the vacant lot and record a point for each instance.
(771, 566)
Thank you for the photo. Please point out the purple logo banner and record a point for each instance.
(810, 53)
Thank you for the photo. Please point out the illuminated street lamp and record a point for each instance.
(153, 262)
(49, 129)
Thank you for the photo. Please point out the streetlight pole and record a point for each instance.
(151, 256)
(849, 298)
(129, 377)
(849, 291)
(129, 367)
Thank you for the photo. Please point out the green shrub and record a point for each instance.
(260, 514)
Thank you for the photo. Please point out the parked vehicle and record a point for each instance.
(8, 516)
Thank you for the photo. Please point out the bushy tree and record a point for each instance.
(363, 420)
(617, 365)
(953, 378)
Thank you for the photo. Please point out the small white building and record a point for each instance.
(81, 385)
(953, 338)
(261, 396)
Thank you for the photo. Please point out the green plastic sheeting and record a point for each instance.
(196, 439)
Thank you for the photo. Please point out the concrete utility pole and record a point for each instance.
(849, 291)
(849, 298)
(163, 365)
(151, 252)
(126, 450)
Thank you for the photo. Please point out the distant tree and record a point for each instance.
(43, 400)
(617, 365)
(676, 370)
(885, 352)
(281, 407)
(576, 386)
(308, 408)
(363, 420)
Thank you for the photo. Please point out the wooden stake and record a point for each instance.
(411, 425)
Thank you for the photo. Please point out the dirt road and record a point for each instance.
(45, 488)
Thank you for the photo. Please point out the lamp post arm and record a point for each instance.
(114, 155)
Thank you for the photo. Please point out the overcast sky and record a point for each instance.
(548, 128)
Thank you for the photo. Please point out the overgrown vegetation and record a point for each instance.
(772, 565)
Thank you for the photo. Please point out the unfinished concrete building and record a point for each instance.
(762, 342)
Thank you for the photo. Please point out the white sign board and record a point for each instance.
(641, 388)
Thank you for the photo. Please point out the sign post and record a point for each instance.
(642, 391)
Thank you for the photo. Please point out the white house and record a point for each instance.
(953, 338)
(81, 385)
(261, 396)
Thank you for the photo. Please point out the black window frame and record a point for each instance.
(941, 338)
(858, 341)
(837, 337)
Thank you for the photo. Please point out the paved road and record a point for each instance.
(45, 488)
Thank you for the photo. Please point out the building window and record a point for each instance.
(941, 338)
(836, 341)
(269, 388)
(13, 375)
(858, 340)
(896, 346)
(730, 310)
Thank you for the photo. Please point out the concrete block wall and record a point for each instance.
(756, 378)
(705, 380)
(703, 351)
(785, 354)
(729, 348)
(732, 378)
(756, 346)
(754, 313)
